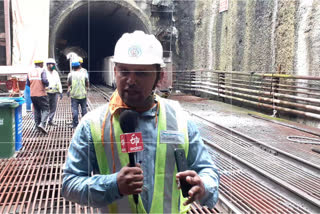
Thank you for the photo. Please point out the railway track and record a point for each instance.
(31, 182)
(303, 182)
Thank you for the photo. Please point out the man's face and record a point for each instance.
(50, 66)
(135, 84)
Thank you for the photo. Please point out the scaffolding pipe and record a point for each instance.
(279, 95)
(263, 87)
(288, 76)
(302, 113)
(265, 81)
(276, 101)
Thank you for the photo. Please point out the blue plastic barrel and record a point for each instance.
(28, 98)
(18, 120)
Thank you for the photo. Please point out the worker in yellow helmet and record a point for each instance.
(37, 80)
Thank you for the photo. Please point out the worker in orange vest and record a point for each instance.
(37, 80)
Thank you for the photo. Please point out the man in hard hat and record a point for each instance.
(54, 89)
(37, 80)
(95, 146)
(77, 88)
(82, 69)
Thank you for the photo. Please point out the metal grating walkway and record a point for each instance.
(31, 182)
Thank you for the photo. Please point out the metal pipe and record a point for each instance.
(264, 78)
(277, 101)
(302, 113)
(263, 87)
(258, 82)
(279, 95)
(253, 73)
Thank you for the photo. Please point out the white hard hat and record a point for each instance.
(51, 61)
(138, 48)
(76, 59)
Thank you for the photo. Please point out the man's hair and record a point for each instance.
(75, 67)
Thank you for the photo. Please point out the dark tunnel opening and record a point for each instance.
(92, 30)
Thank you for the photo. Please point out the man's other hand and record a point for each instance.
(197, 191)
(130, 180)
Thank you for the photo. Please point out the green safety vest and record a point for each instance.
(78, 86)
(54, 89)
(167, 198)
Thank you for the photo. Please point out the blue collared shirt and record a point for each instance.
(83, 184)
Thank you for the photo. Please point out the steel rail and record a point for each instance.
(286, 125)
(257, 142)
(238, 186)
(276, 179)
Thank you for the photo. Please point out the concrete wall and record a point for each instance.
(252, 36)
(255, 35)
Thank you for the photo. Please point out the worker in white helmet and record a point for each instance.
(95, 147)
(54, 89)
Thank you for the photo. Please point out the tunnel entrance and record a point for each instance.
(91, 29)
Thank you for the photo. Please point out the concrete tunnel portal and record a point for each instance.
(91, 29)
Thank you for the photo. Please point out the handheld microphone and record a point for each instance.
(128, 121)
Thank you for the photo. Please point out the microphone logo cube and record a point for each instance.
(131, 142)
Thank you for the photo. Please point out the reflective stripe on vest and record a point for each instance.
(166, 196)
(37, 88)
(78, 87)
(35, 74)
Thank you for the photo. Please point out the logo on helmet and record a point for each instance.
(134, 51)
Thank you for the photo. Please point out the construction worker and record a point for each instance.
(83, 69)
(37, 80)
(54, 89)
(77, 88)
(97, 173)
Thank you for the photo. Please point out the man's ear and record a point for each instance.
(160, 78)
(115, 70)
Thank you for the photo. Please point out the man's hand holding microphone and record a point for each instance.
(130, 180)
(130, 177)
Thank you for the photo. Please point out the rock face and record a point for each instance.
(251, 36)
